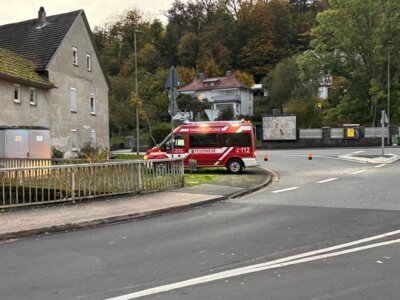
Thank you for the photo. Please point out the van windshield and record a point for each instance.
(165, 140)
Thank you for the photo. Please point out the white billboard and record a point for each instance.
(279, 128)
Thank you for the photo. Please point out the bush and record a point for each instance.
(160, 132)
(93, 153)
(56, 153)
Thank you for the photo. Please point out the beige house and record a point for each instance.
(54, 79)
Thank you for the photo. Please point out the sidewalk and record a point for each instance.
(16, 223)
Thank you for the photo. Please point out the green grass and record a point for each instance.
(202, 175)
(126, 156)
(195, 179)
(117, 139)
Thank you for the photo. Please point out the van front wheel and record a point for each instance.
(234, 166)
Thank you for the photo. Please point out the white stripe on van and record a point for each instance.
(223, 156)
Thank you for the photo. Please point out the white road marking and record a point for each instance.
(355, 152)
(285, 190)
(291, 260)
(327, 180)
(358, 172)
(380, 166)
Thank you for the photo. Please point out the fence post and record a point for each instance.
(140, 178)
(182, 173)
(73, 184)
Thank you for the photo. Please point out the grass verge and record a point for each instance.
(195, 179)
(126, 156)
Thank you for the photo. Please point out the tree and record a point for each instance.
(186, 75)
(189, 103)
(281, 82)
(188, 49)
(354, 34)
(226, 113)
(303, 105)
(244, 78)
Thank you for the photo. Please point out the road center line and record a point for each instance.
(358, 172)
(380, 166)
(327, 180)
(355, 152)
(291, 260)
(285, 190)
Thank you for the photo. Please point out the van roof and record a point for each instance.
(217, 123)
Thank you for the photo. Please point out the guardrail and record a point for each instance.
(61, 183)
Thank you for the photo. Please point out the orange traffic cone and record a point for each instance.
(309, 156)
(265, 157)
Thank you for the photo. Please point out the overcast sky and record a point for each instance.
(97, 11)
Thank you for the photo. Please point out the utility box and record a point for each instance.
(25, 142)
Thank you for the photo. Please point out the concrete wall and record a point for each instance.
(327, 141)
(23, 113)
(65, 75)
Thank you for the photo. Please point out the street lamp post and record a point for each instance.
(388, 92)
(137, 94)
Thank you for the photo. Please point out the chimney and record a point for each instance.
(42, 15)
(202, 76)
(228, 74)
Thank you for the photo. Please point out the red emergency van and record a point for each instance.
(230, 144)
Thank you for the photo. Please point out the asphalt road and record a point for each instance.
(265, 245)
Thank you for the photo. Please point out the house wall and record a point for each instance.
(23, 113)
(246, 97)
(65, 75)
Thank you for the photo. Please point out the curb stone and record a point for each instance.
(375, 160)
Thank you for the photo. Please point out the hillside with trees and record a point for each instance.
(287, 45)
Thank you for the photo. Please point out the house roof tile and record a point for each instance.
(37, 41)
(222, 83)
(20, 70)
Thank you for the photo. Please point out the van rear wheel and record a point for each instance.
(234, 166)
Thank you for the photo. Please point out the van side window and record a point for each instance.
(180, 141)
(220, 140)
(203, 140)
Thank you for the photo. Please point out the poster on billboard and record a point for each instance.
(279, 128)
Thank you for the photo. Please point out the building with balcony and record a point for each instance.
(221, 92)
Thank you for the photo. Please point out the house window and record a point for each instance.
(88, 62)
(75, 56)
(92, 103)
(32, 96)
(93, 137)
(74, 101)
(17, 93)
(74, 139)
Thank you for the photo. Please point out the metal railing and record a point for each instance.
(37, 162)
(61, 183)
